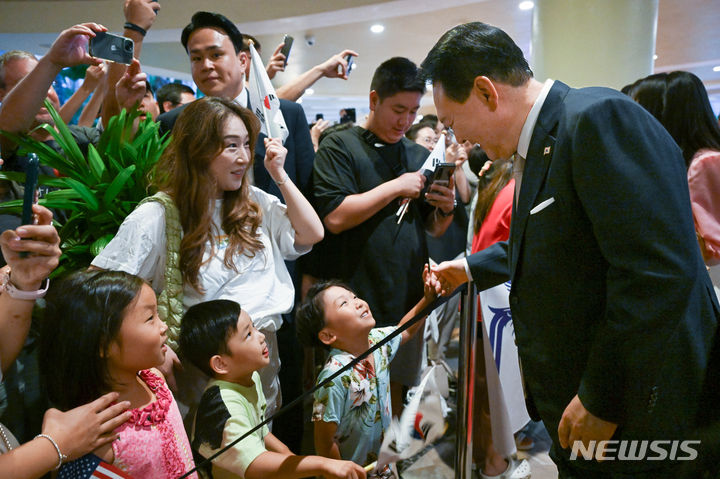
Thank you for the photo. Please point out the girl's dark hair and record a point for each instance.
(497, 176)
(183, 172)
(310, 316)
(83, 317)
(205, 330)
(688, 115)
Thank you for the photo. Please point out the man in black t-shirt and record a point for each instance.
(361, 176)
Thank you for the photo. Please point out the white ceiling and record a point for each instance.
(688, 36)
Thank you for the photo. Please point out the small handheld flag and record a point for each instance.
(263, 100)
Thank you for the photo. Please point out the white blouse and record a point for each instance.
(262, 285)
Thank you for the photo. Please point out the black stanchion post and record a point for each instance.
(466, 384)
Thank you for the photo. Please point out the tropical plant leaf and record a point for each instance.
(98, 190)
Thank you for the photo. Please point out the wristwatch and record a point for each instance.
(7, 287)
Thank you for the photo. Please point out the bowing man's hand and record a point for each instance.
(579, 424)
(449, 275)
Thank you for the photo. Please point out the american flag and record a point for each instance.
(91, 466)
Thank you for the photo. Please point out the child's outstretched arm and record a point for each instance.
(427, 299)
(288, 466)
(325, 444)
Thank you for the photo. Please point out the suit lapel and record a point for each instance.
(540, 152)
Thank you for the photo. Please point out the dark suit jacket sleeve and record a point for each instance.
(489, 267)
(629, 177)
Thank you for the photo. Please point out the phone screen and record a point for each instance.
(287, 41)
(442, 173)
(349, 60)
(30, 195)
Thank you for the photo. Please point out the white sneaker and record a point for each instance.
(516, 470)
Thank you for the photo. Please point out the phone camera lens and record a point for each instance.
(128, 45)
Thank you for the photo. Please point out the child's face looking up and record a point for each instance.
(140, 343)
(346, 315)
(247, 351)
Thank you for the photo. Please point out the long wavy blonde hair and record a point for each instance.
(183, 172)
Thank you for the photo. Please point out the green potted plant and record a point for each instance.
(98, 190)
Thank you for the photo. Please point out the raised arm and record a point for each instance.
(140, 14)
(22, 103)
(333, 67)
(93, 79)
(305, 221)
(43, 244)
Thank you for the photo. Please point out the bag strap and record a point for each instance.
(170, 300)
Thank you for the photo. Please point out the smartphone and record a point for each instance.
(319, 116)
(30, 196)
(442, 174)
(350, 65)
(288, 41)
(112, 47)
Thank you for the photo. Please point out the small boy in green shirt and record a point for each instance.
(220, 339)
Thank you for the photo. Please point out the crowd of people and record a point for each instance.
(599, 211)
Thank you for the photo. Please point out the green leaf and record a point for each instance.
(85, 193)
(100, 244)
(117, 184)
(96, 165)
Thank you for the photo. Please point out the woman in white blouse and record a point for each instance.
(235, 237)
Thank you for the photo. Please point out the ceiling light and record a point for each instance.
(377, 28)
(527, 5)
(655, 57)
(716, 68)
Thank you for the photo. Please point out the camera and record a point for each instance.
(112, 47)
(310, 40)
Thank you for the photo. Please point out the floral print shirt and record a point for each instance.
(358, 400)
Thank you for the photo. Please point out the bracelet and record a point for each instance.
(280, 183)
(137, 28)
(7, 286)
(443, 214)
(61, 457)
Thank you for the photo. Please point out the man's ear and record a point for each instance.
(326, 337)
(485, 90)
(374, 100)
(167, 105)
(218, 364)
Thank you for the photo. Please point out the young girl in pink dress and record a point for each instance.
(102, 333)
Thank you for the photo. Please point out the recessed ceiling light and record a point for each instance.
(377, 28)
(309, 91)
(716, 68)
(654, 57)
(527, 5)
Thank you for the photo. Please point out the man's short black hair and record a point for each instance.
(210, 20)
(472, 50)
(171, 92)
(395, 76)
(310, 316)
(205, 330)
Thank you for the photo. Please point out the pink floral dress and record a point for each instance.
(152, 444)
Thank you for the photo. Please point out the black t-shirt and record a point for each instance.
(380, 259)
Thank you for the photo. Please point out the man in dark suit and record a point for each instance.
(615, 315)
(218, 65)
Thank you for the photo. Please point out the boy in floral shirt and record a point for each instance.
(352, 411)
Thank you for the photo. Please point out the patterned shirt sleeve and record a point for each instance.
(329, 400)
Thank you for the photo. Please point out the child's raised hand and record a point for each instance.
(275, 154)
(344, 470)
(431, 286)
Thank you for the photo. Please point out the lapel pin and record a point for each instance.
(546, 151)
